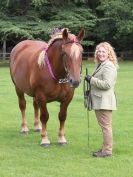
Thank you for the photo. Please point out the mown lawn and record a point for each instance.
(22, 156)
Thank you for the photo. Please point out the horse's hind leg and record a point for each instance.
(22, 106)
(37, 125)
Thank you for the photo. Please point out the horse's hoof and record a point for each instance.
(45, 142)
(24, 130)
(62, 140)
(45, 145)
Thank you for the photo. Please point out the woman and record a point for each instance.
(103, 98)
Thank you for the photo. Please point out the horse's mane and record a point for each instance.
(54, 37)
(56, 34)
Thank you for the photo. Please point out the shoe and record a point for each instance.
(101, 154)
(97, 151)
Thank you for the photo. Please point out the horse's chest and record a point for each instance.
(60, 93)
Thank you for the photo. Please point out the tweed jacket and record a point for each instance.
(102, 86)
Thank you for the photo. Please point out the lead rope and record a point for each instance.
(86, 90)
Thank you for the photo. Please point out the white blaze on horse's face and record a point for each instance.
(73, 58)
(73, 61)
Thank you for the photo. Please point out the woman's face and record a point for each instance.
(102, 54)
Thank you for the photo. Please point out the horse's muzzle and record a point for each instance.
(74, 84)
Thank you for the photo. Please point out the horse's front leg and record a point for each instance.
(40, 98)
(62, 117)
(37, 125)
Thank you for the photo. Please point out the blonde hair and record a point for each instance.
(111, 53)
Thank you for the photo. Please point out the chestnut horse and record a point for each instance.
(38, 69)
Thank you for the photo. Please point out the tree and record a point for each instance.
(17, 7)
(109, 20)
(93, 3)
(116, 24)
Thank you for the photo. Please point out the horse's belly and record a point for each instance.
(23, 85)
(21, 79)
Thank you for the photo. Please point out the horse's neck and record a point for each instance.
(56, 60)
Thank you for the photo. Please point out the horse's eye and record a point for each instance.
(64, 55)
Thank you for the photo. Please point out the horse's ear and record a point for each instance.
(81, 34)
(65, 34)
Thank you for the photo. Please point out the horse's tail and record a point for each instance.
(41, 59)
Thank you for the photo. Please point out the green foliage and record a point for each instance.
(93, 3)
(33, 19)
(3, 4)
(32, 27)
(39, 3)
(116, 24)
(76, 18)
(12, 32)
(15, 7)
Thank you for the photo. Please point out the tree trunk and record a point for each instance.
(4, 50)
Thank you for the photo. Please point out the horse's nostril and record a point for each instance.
(74, 83)
(71, 81)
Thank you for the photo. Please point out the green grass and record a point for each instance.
(22, 156)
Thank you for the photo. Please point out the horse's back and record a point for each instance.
(25, 47)
(23, 61)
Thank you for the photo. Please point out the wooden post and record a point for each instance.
(4, 50)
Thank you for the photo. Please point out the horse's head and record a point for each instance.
(72, 56)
